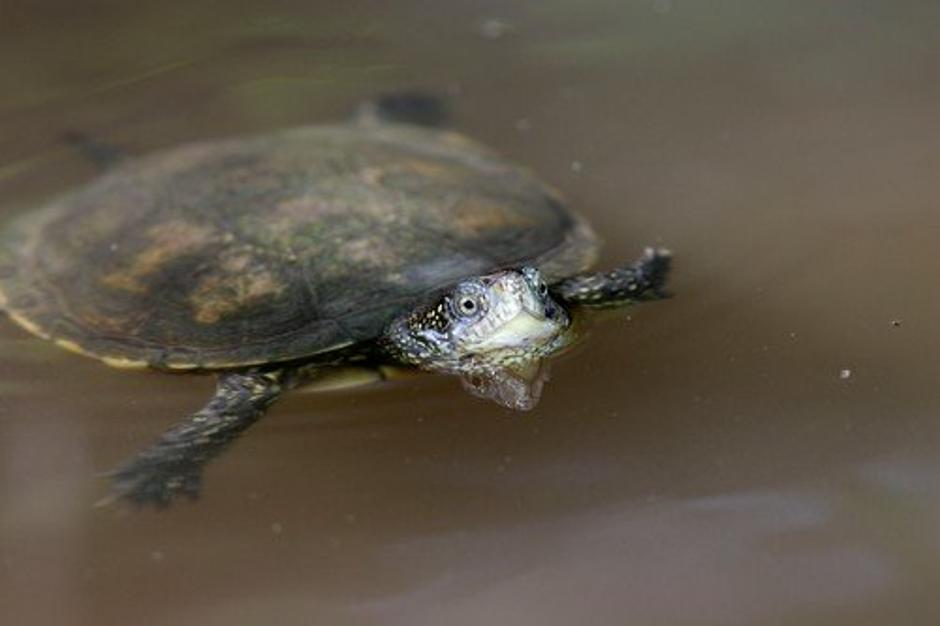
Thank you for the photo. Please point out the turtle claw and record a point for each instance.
(156, 482)
(653, 268)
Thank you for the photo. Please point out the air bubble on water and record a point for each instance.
(845, 374)
(576, 167)
(495, 28)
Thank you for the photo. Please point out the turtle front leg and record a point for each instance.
(644, 279)
(173, 465)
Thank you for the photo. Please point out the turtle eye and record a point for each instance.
(467, 305)
(543, 289)
(468, 300)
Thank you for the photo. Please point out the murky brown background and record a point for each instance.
(763, 449)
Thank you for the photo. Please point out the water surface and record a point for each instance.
(762, 449)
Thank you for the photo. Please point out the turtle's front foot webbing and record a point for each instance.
(173, 465)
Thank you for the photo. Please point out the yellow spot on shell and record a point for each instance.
(463, 142)
(124, 363)
(27, 324)
(168, 241)
(240, 280)
(371, 175)
(182, 367)
(476, 216)
(70, 345)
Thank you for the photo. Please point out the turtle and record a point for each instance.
(279, 259)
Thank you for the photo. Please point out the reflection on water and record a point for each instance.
(700, 461)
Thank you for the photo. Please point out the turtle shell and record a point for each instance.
(275, 247)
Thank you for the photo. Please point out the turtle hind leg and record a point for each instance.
(645, 279)
(104, 155)
(173, 465)
(404, 107)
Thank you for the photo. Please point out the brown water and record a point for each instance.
(763, 449)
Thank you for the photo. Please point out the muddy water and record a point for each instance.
(763, 449)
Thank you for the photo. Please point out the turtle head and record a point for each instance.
(493, 330)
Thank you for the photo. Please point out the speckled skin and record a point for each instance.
(276, 247)
(642, 280)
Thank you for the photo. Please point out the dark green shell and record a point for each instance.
(275, 247)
